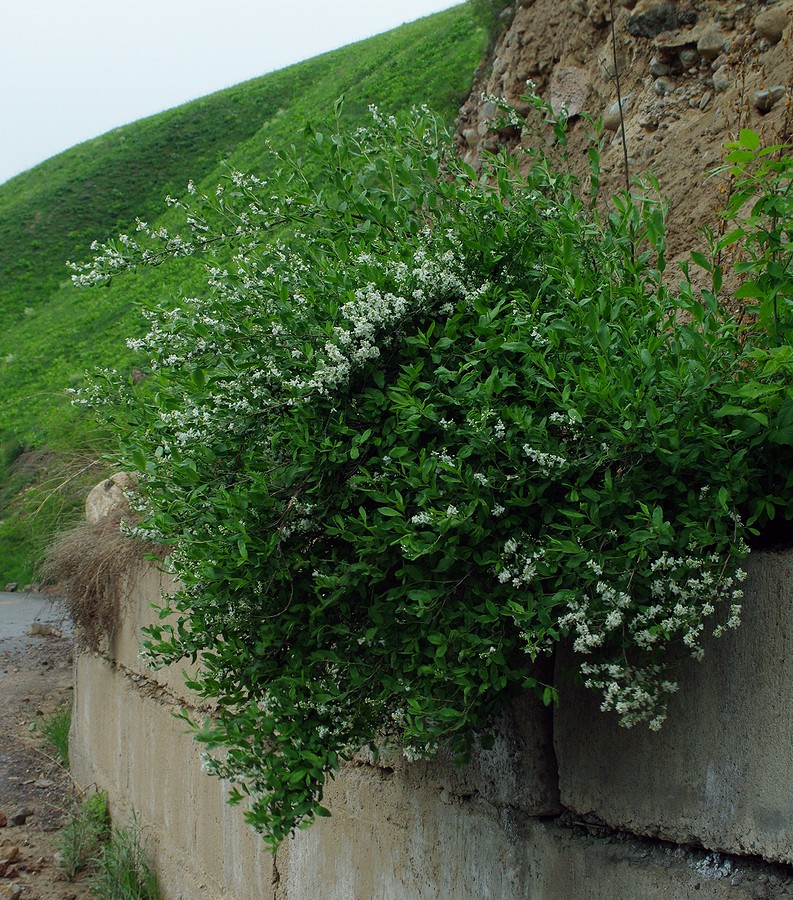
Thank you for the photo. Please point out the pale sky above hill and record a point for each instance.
(73, 69)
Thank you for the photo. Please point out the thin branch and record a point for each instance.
(619, 97)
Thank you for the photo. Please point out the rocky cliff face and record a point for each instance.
(692, 73)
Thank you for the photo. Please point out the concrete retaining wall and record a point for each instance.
(720, 771)
(512, 825)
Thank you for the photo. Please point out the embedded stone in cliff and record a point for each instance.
(570, 88)
(722, 79)
(659, 68)
(688, 57)
(674, 40)
(711, 44)
(611, 117)
(663, 86)
(772, 22)
(651, 18)
(766, 99)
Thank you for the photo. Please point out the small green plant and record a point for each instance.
(763, 182)
(122, 869)
(55, 729)
(424, 423)
(756, 243)
(82, 838)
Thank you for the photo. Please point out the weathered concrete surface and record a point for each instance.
(389, 844)
(394, 835)
(518, 772)
(126, 741)
(720, 772)
(142, 593)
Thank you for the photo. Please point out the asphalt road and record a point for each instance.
(19, 611)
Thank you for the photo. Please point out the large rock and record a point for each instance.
(770, 23)
(765, 100)
(108, 500)
(719, 772)
(711, 43)
(651, 18)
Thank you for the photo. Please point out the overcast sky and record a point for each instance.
(73, 69)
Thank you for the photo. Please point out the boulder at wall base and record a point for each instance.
(109, 499)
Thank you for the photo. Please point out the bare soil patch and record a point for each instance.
(35, 681)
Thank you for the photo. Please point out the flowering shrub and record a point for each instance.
(424, 424)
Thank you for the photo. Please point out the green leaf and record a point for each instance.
(749, 139)
(701, 260)
(749, 290)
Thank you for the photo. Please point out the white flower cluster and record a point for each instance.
(109, 259)
(415, 753)
(635, 694)
(519, 563)
(433, 279)
(685, 592)
(116, 256)
(592, 617)
(298, 519)
(548, 463)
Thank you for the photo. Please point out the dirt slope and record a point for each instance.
(691, 75)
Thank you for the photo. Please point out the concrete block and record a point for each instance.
(396, 833)
(519, 771)
(719, 773)
(144, 589)
(126, 741)
(388, 841)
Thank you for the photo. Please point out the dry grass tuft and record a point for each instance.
(90, 564)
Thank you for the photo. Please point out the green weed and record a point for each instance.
(55, 729)
(82, 839)
(122, 870)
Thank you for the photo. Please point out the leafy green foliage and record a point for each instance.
(115, 856)
(421, 424)
(51, 334)
(759, 238)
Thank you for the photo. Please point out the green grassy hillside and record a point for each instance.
(50, 332)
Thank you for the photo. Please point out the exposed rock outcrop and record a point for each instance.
(692, 73)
